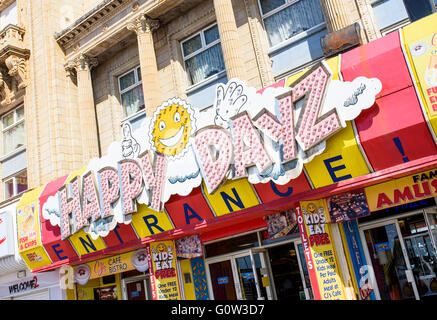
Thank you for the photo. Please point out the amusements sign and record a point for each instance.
(163, 275)
(418, 186)
(327, 284)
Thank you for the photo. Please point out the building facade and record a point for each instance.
(86, 87)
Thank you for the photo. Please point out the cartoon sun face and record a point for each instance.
(312, 208)
(172, 128)
(161, 248)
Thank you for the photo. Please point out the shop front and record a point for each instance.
(291, 192)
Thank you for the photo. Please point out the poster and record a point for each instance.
(319, 251)
(189, 247)
(282, 224)
(424, 55)
(163, 274)
(348, 206)
(358, 260)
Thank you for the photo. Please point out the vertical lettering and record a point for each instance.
(154, 176)
(109, 185)
(213, 149)
(312, 128)
(131, 183)
(248, 147)
(90, 203)
(284, 129)
(70, 206)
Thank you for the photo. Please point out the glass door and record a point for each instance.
(136, 288)
(418, 232)
(392, 269)
(241, 276)
(251, 272)
(222, 280)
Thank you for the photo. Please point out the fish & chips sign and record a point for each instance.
(264, 137)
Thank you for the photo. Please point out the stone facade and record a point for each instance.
(71, 54)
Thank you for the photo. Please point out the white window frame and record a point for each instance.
(14, 179)
(198, 51)
(294, 38)
(137, 82)
(4, 129)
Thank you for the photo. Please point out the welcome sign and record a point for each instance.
(264, 136)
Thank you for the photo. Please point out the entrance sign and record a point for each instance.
(321, 258)
(266, 137)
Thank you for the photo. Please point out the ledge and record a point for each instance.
(88, 20)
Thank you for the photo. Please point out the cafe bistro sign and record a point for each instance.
(264, 136)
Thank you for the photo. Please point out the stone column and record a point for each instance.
(144, 27)
(342, 13)
(87, 113)
(230, 43)
(336, 14)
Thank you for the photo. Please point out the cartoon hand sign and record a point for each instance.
(229, 101)
(129, 146)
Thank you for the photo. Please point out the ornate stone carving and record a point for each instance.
(5, 89)
(17, 69)
(143, 24)
(81, 63)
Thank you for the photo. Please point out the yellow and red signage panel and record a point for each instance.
(394, 130)
(420, 45)
(403, 190)
(148, 222)
(271, 191)
(28, 230)
(233, 195)
(319, 250)
(163, 274)
(188, 210)
(56, 248)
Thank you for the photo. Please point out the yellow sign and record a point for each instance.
(401, 191)
(28, 230)
(84, 244)
(116, 264)
(320, 253)
(148, 222)
(233, 195)
(163, 274)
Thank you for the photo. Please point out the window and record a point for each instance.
(131, 92)
(15, 184)
(284, 19)
(417, 9)
(13, 130)
(202, 55)
(9, 16)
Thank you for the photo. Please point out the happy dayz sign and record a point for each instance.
(264, 137)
